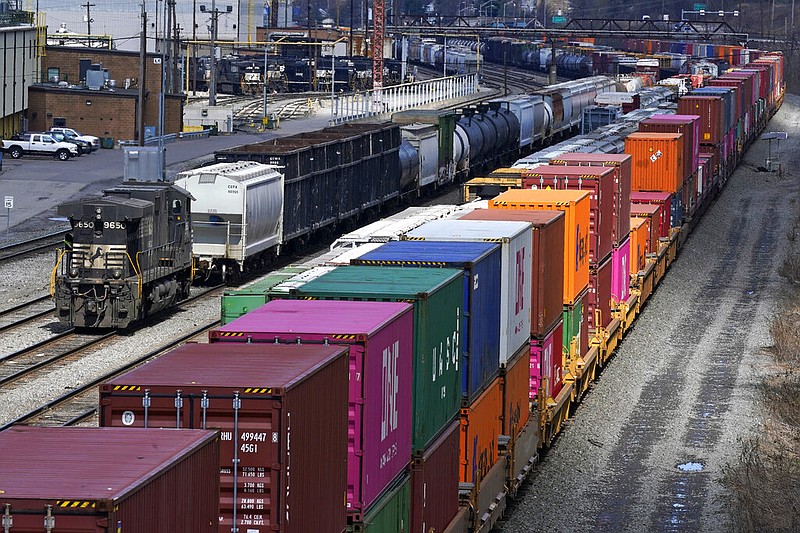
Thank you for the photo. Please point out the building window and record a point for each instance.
(53, 74)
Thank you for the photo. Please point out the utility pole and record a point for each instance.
(142, 76)
(168, 42)
(89, 20)
(193, 68)
(212, 83)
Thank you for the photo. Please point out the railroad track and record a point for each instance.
(79, 403)
(21, 249)
(24, 313)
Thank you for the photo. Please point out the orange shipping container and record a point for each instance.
(515, 380)
(652, 212)
(576, 206)
(480, 428)
(657, 161)
(640, 235)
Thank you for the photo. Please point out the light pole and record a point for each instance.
(212, 82)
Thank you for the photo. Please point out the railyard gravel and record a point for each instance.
(646, 448)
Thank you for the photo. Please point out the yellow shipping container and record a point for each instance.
(576, 207)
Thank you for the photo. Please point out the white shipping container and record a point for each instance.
(515, 239)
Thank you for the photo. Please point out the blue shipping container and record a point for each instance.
(676, 209)
(481, 332)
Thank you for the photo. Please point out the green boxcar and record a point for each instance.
(391, 512)
(237, 302)
(438, 296)
(573, 322)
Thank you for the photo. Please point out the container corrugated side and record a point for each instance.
(623, 168)
(288, 396)
(434, 483)
(664, 200)
(391, 512)
(87, 478)
(437, 295)
(380, 339)
(576, 208)
(515, 239)
(599, 181)
(657, 161)
(481, 426)
(687, 128)
(620, 272)
(547, 283)
(549, 351)
(653, 213)
(237, 302)
(710, 111)
(599, 296)
(575, 325)
(640, 236)
(515, 382)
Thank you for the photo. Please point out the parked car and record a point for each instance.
(84, 147)
(72, 134)
(39, 144)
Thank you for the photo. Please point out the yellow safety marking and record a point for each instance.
(493, 239)
(309, 298)
(74, 504)
(388, 262)
(231, 334)
(258, 390)
(127, 387)
(408, 238)
(343, 337)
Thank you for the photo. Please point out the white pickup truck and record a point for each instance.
(38, 144)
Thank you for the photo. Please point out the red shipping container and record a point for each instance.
(740, 96)
(599, 182)
(434, 483)
(710, 111)
(653, 213)
(688, 126)
(663, 199)
(480, 429)
(103, 479)
(657, 161)
(286, 394)
(599, 296)
(515, 382)
(549, 352)
(547, 256)
(380, 337)
(622, 164)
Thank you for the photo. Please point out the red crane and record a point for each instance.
(378, 24)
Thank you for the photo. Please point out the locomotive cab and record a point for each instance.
(129, 256)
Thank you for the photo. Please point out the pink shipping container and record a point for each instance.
(109, 479)
(599, 181)
(434, 483)
(620, 272)
(599, 296)
(664, 199)
(549, 353)
(288, 395)
(380, 336)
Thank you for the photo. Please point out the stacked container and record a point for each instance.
(271, 404)
(652, 212)
(237, 302)
(434, 482)
(657, 161)
(379, 336)
(640, 236)
(141, 480)
(669, 208)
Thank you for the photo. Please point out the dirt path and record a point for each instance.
(646, 449)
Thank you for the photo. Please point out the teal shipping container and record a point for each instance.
(391, 512)
(237, 302)
(437, 295)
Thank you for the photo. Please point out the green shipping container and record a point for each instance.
(391, 512)
(237, 302)
(438, 298)
(573, 326)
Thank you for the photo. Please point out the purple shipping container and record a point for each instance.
(109, 479)
(620, 270)
(434, 483)
(288, 395)
(380, 337)
(695, 144)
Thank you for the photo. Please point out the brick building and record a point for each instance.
(105, 112)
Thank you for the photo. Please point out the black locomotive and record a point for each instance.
(129, 255)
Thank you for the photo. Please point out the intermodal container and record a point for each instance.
(434, 483)
(515, 239)
(515, 382)
(575, 205)
(622, 164)
(657, 161)
(599, 182)
(287, 397)
(391, 512)
(621, 272)
(480, 333)
(380, 339)
(549, 353)
(437, 295)
(237, 302)
(99, 479)
(728, 103)
(480, 428)
(651, 212)
(547, 284)
(284, 289)
(740, 95)
(575, 325)
(688, 126)
(640, 235)
(710, 110)
(599, 296)
(664, 200)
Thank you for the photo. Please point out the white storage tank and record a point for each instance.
(237, 213)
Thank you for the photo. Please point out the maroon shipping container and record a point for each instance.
(653, 212)
(622, 164)
(286, 394)
(434, 483)
(739, 96)
(689, 126)
(599, 297)
(599, 182)
(547, 255)
(663, 199)
(711, 112)
(109, 479)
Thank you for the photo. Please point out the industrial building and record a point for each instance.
(19, 64)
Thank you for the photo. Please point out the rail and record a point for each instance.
(388, 100)
(169, 138)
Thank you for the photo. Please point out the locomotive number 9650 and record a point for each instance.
(89, 224)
